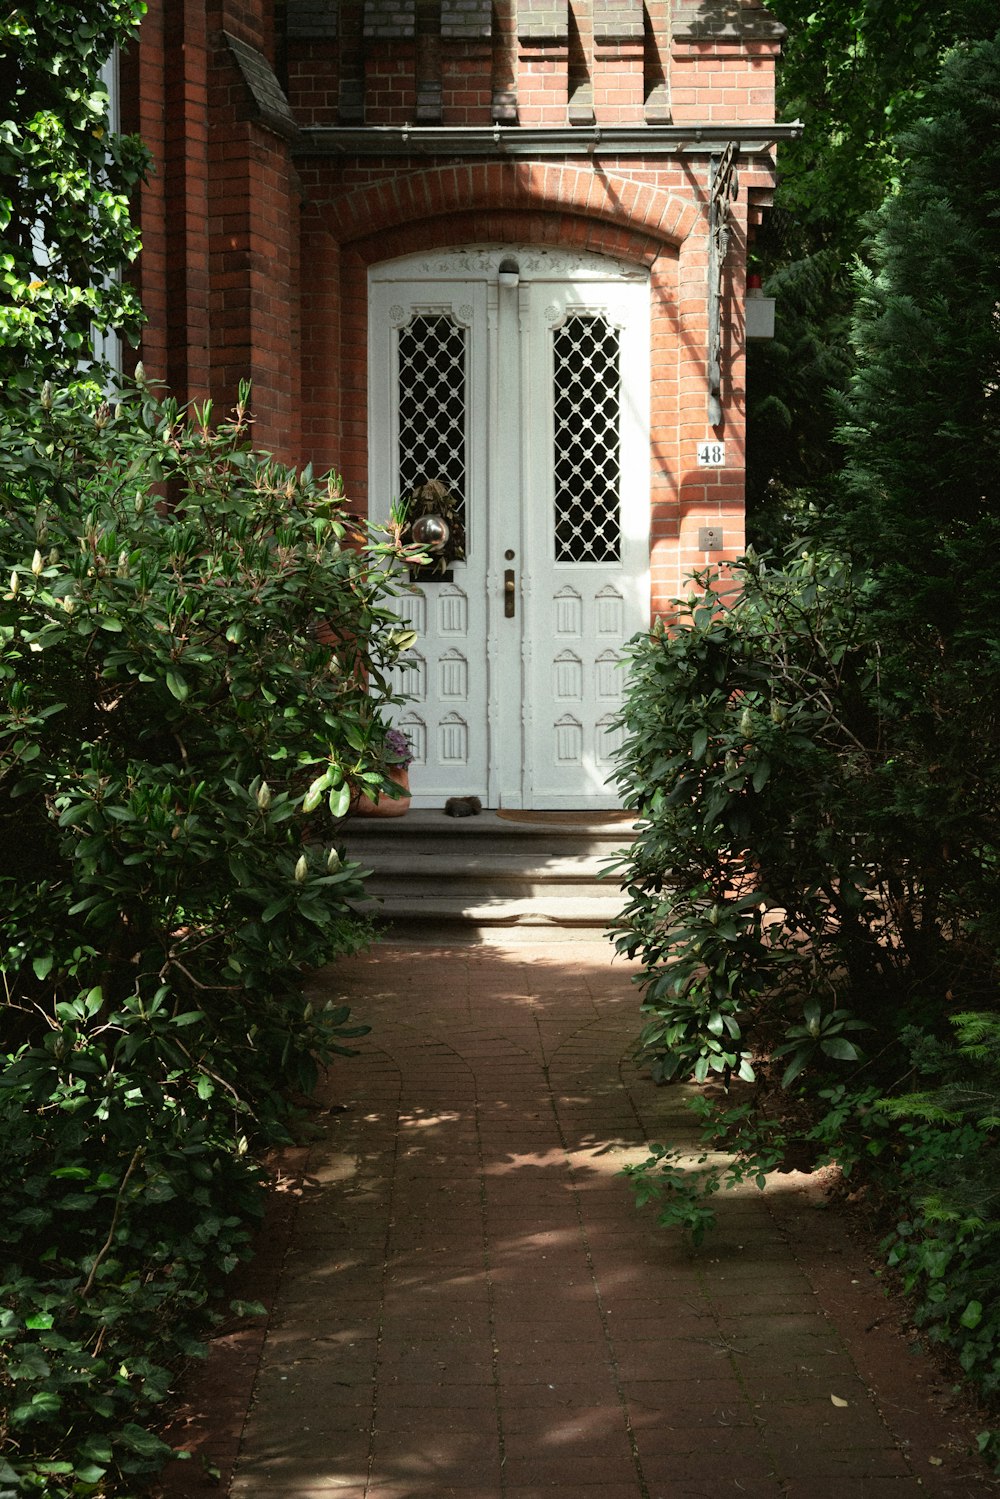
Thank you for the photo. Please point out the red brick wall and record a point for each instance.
(716, 81)
(256, 255)
(648, 215)
(219, 219)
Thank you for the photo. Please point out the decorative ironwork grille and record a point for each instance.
(432, 399)
(587, 386)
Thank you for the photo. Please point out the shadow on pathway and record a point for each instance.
(468, 1303)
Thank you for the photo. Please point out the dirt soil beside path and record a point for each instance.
(463, 1300)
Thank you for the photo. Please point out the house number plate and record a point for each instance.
(711, 455)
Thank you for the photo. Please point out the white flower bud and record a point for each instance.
(15, 584)
(140, 502)
(264, 796)
(36, 563)
(46, 396)
(301, 870)
(333, 861)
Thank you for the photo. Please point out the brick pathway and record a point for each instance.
(471, 1305)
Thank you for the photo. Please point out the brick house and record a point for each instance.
(500, 244)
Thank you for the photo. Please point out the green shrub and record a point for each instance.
(753, 756)
(194, 648)
(65, 183)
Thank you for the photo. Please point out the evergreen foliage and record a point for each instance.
(65, 180)
(923, 436)
(814, 750)
(857, 73)
(194, 647)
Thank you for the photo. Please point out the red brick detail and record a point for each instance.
(504, 187)
(466, 83)
(542, 83)
(618, 82)
(715, 82)
(390, 82)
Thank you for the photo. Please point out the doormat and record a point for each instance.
(566, 819)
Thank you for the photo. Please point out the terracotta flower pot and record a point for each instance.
(387, 806)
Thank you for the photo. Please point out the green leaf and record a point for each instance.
(76, 812)
(973, 1314)
(794, 1067)
(90, 1473)
(177, 685)
(42, 1404)
(340, 800)
(248, 1308)
(138, 1439)
(840, 1048)
(314, 795)
(42, 966)
(761, 774)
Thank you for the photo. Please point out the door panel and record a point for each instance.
(531, 402)
(586, 488)
(427, 381)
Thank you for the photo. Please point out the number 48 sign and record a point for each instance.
(711, 454)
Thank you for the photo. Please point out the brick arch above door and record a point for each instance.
(335, 306)
(525, 226)
(393, 201)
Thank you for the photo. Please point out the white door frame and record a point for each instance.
(510, 494)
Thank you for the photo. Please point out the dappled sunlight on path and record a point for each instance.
(471, 1305)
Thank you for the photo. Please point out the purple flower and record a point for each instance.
(397, 748)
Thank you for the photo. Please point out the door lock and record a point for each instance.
(509, 593)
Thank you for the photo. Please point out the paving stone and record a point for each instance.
(469, 1278)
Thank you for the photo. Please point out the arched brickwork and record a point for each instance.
(335, 295)
(349, 229)
(587, 192)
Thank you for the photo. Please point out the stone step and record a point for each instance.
(487, 874)
(435, 831)
(487, 867)
(547, 910)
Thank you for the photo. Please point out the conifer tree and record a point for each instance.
(923, 436)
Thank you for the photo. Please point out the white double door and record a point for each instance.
(519, 378)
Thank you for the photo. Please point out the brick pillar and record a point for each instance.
(254, 238)
(543, 62)
(390, 34)
(619, 57)
(170, 99)
(466, 61)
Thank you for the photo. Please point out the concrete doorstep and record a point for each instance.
(485, 877)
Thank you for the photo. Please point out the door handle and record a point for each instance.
(509, 593)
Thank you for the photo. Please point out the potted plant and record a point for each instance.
(398, 758)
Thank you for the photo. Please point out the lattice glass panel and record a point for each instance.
(432, 400)
(587, 388)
